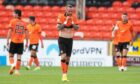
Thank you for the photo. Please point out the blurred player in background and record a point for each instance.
(125, 38)
(34, 37)
(66, 23)
(17, 32)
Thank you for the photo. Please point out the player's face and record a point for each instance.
(30, 21)
(125, 18)
(69, 10)
(14, 14)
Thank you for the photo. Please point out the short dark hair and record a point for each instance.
(69, 5)
(18, 12)
(125, 13)
(32, 18)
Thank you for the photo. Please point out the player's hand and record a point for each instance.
(26, 46)
(8, 43)
(42, 46)
(131, 43)
(67, 19)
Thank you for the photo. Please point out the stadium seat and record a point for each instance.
(95, 15)
(130, 10)
(96, 35)
(2, 7)
(19, 7)
(106, 35)
(105, 15)
(111, 9)
(136, 22)
(93, 28)
(92, 9)
(56, 9)
(133, 16)
(46, 8)
(138, 10)
(117, 4)
(126, 4)
(37, 8)
(62, 9)
(90, 22)
(28, 8)
(99, 22)
(102, 10)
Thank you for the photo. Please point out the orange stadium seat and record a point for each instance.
(81, 22)
(56, 8)
(46, 8)
(130, 10)
(102, 10)
(106, 35)
(133, 16)
(105, 15)
(90, 22)
(96, 35)
(19, 7)
(62, 9)
(84, 28)
(138, 10)
(136, 22)
(126, 4)
(2, 7)
(28, 8)
(37, 8)
(99, 22)
(117, 4)
(136, 29)
(93, 28)
(111, 10)
(92, 9)
(95, 15)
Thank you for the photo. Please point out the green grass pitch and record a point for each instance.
(77, 75)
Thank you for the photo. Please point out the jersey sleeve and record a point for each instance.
(131, 28)
(11, 24)
(60, 19)
(75, 19)
(39, 29)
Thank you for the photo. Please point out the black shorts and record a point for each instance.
(123, 45)
(33, 47)
(115, 48)
(65, 45)
(16, 48)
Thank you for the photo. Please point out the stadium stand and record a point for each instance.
(101, 15)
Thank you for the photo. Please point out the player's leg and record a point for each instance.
(11, 61)
(31, 59)
(124, 55)
(119, 56)
(18, 64)
(12, 50)
(19, 48)
(69, 44)
(62, 49)
(36, 61)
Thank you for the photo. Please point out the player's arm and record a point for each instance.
(40, 36)
(9, 35)
(26, 37)
(41, 40)
(75, 26)
(114, 30)
(133, 36)
(60, 23)
(74, 23)
(60, 26)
